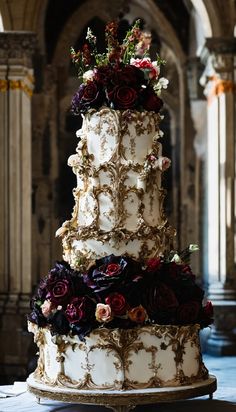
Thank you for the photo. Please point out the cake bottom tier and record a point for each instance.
(144, 357)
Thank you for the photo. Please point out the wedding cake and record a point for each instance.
(122, 310)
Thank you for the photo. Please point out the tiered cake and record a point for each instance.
(122, 311)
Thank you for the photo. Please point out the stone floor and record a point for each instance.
(224, 399)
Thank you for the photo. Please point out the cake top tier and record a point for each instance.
(122, 78)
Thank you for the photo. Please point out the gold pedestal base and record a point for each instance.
(122, 401)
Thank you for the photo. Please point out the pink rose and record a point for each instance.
(146, 65)
(163, 163)
(47, 308)
(103, 313)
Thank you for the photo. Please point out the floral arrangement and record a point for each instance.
(117, 291)
(118, 78)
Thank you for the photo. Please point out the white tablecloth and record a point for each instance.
(224, 401)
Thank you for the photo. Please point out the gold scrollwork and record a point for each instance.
(15, 85)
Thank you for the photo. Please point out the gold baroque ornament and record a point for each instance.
(3, 85)
(118, 199)
(122, 349)
(15, 85)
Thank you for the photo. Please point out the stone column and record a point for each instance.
(16, 88)
(198, 107)
(219, 83)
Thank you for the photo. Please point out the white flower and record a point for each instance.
(163, 82)
(176, 259)
(193, 248)
(88, 76)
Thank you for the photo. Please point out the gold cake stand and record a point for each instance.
(122, 401)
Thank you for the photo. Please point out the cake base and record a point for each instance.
(122, 401)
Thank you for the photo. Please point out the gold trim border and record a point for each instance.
(219, 87)
(135, 397)
(6, 85)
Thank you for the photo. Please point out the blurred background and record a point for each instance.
(37, 135)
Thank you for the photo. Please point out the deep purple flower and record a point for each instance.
(59, 323)
(113, 273)
(80, 309)
(89, 95)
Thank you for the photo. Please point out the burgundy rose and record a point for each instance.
(80, 309)
(123, 97)
(159, 297)
(103, 75)
(206, 315)
(128, 75)
(59, 292)
(153, 264)
(117, 303)
(112, 269)
(150, 101)
(88, 96)
(208, 309)
(187, 313)
(187, 272)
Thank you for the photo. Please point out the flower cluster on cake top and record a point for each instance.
(118, 78)
(117, 291)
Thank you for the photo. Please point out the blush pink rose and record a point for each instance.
(103, 313)
(46, 308)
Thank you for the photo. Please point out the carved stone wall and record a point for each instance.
(16, 89)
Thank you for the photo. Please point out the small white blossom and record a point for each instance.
(88, 75)
(163, 82)
(193, 248)
(176, 259)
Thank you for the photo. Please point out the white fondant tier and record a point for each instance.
(118, 198)
(144, 357)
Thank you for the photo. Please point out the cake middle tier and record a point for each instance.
(118, 198)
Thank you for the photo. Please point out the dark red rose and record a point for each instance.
(123, 97)
(206, 315)
(88, 96)
(150, 101)
(112, 269)
(164, 297)
(59, 292)
(103, 75)
(81, 309)
(187, 272)
(128, 75)
(187, 313)
(208, 309)
(159, 297)
(117, 303)
(174, 271)
(153, 264)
